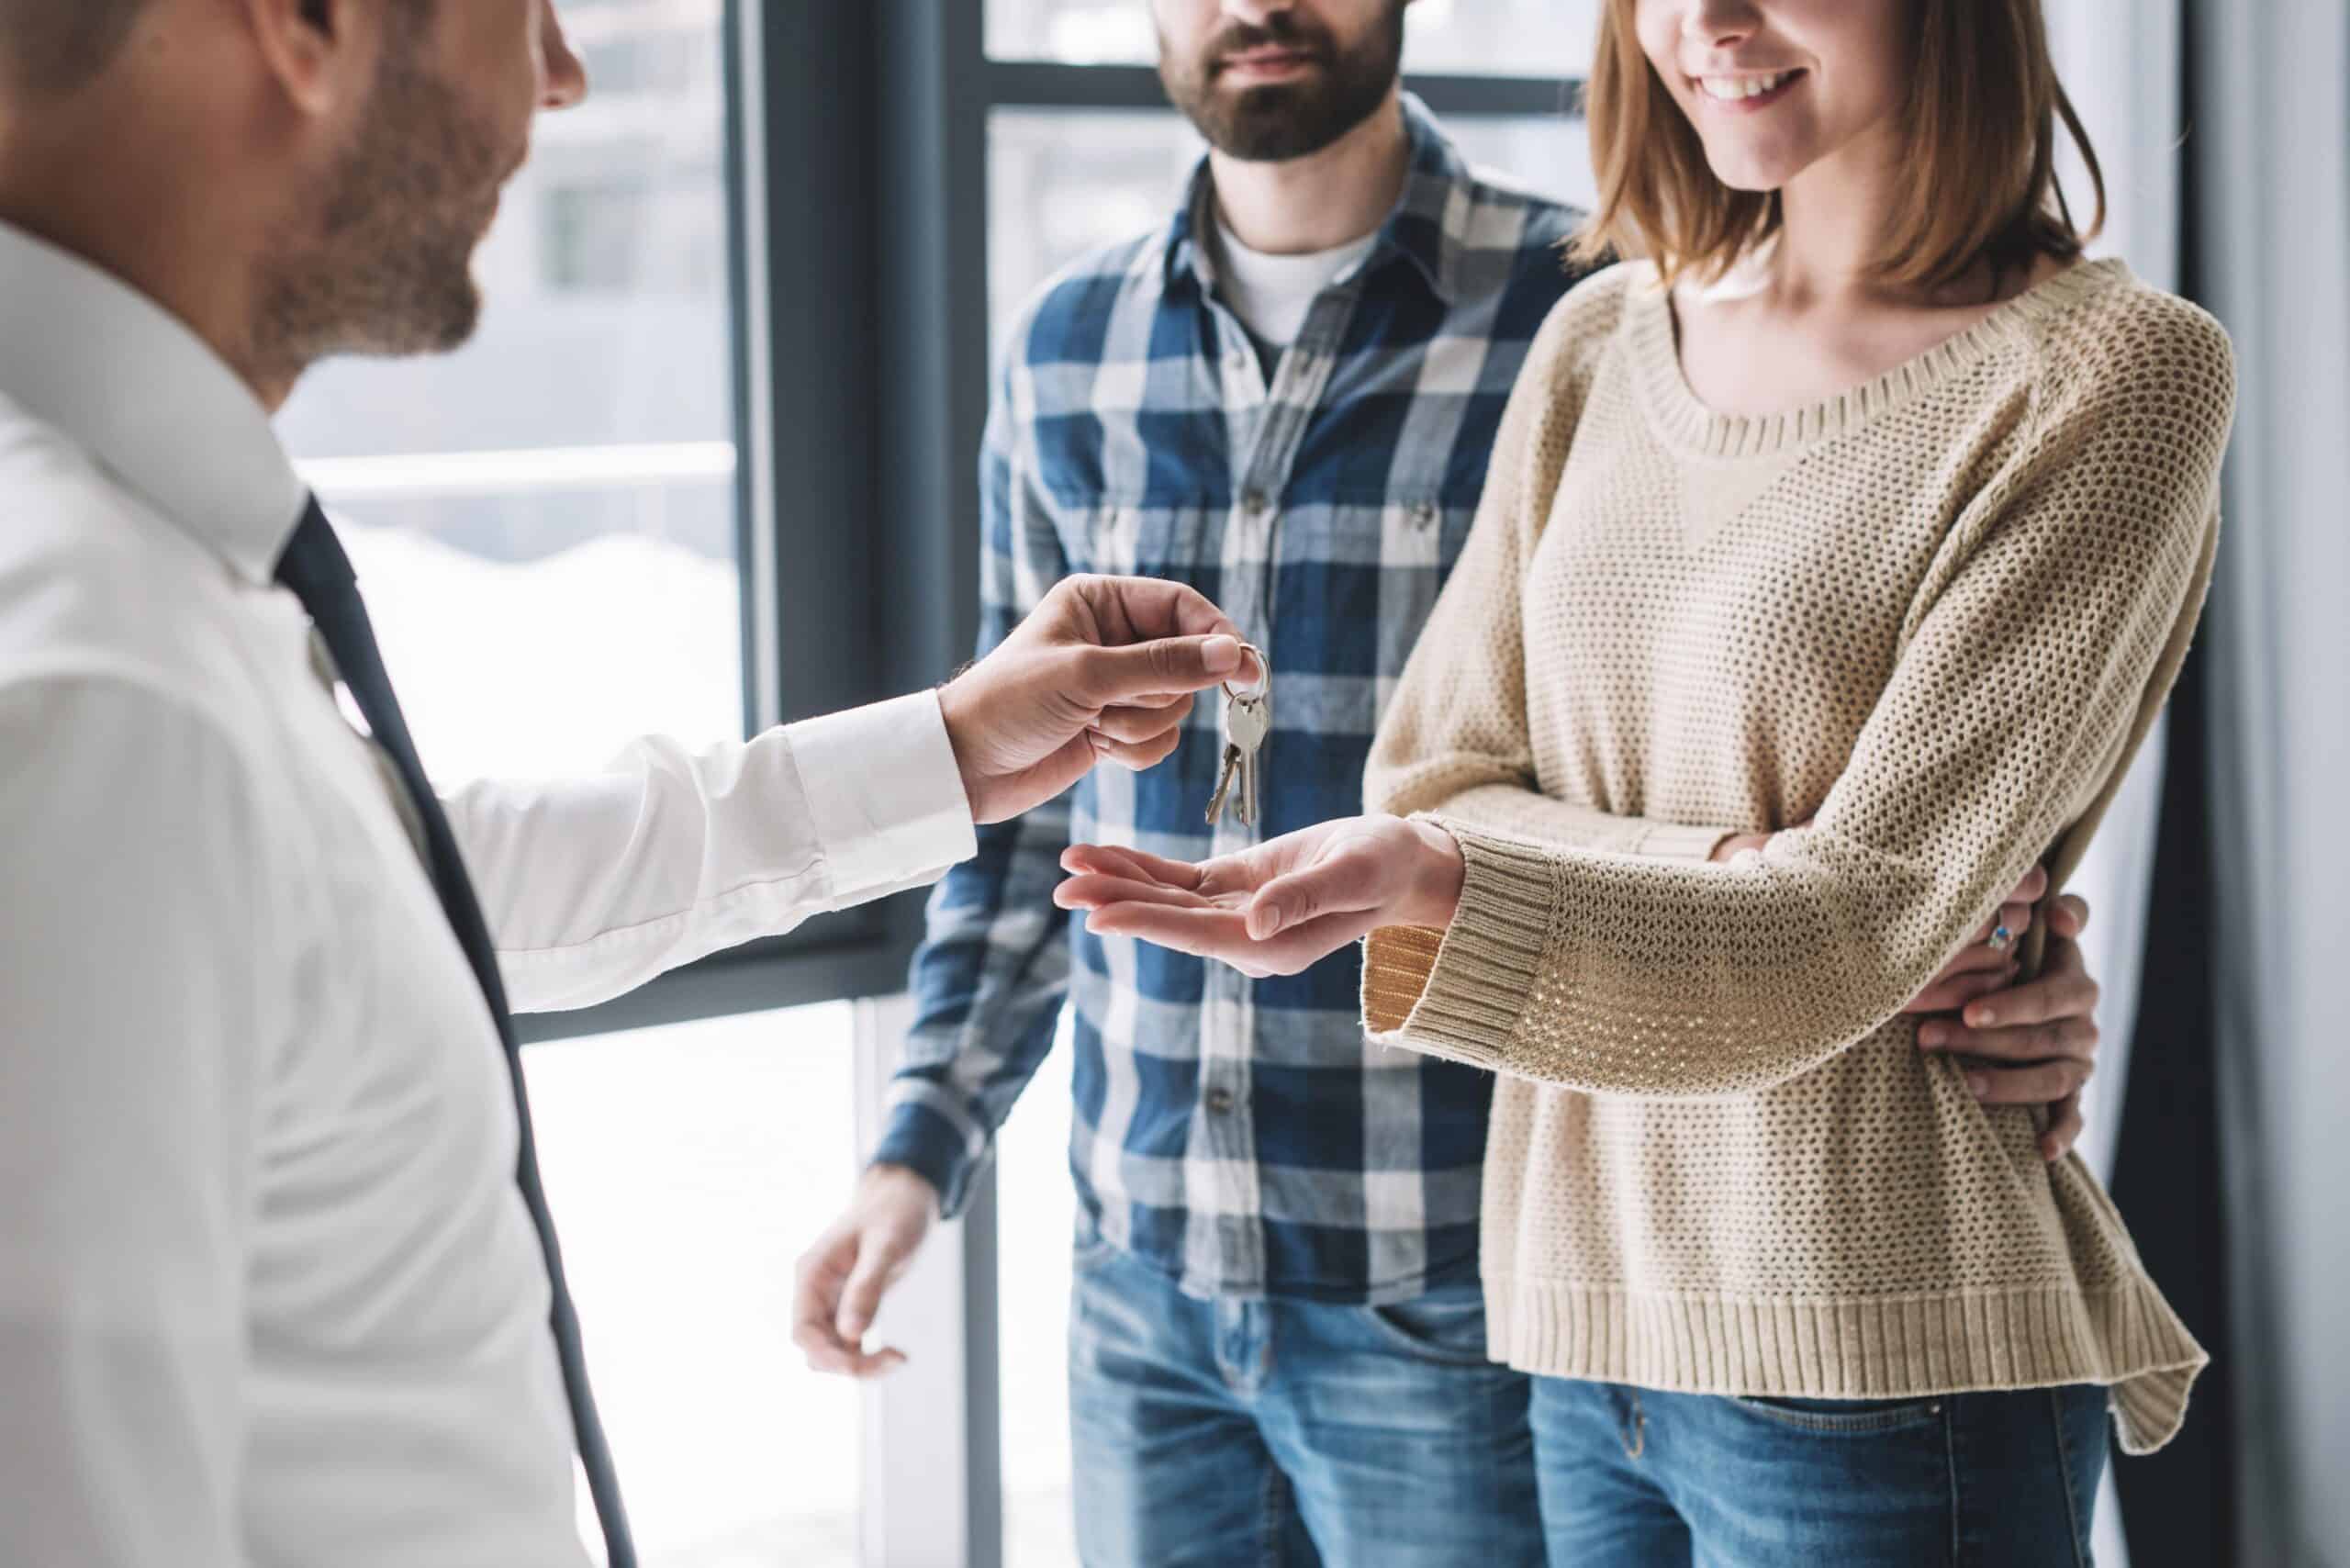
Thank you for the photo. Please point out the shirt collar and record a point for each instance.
(115, 371)
(1428, 227)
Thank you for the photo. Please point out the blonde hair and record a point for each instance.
(1979, 136)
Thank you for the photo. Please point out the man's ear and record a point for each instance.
(312, 48)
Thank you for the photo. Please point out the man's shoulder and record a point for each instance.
(1067, 316)
(91, 581)
(1504, 212)
(1508, 244)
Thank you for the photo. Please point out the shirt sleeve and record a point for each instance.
(135, 1030)
(2037, 657)
(593, 886)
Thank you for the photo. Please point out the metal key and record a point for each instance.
(1247, 722)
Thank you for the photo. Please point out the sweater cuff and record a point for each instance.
(1458, 993)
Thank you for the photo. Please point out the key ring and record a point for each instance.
(1264, 669)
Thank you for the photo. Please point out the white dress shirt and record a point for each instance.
(268, 1292)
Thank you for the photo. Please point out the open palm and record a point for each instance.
(1278, 907)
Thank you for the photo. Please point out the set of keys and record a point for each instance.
(1247, 720)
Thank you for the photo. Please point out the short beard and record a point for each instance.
(1280, 121)
(380, 259)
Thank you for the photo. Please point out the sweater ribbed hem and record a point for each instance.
(1456, 994)
(1899, 1346)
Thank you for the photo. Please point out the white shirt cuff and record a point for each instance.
(884, 795)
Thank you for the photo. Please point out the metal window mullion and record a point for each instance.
(1046, 85)
(934, 1446)
(756, 977)
(750, 282)
(932, 1489)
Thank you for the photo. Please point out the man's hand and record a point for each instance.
(2035, 1044)
(1280, 906)
(2043, 1048)
(1104, 668)
(843, 1276)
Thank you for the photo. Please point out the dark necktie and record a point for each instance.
(319, 573)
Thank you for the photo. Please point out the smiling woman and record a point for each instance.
(1971, 91)
(1809, 619)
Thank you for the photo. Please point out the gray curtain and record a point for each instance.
(2269, 236)
(2120, 62)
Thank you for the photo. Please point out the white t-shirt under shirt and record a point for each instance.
(1271, 293)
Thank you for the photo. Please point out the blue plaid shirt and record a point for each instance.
(1239, 1135)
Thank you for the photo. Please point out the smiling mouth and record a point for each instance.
(1749, 90)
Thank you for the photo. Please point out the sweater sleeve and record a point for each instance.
(2033, 662)
(1456, 735)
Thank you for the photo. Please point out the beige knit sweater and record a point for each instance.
(1935, 617)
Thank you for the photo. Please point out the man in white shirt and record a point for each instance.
(269, 1289)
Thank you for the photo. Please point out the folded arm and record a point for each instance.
(2033, 665)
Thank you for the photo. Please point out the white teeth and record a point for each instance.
(1733, 88)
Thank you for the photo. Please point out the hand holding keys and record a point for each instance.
(1102, 670)
(1247, 720)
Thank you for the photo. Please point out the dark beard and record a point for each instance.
(1281, 121)
(387, 265)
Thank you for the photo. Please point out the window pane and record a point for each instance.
(544, 520)
(1502, 38)
(1550, 155)
(686, 1166)
(1035, 1206)
(1061, 182)
(1507, 38)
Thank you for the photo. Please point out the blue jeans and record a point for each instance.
(1632, 1478)
(1230, 1434)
